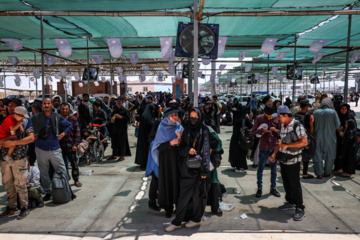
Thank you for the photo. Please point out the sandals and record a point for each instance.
(78, 184)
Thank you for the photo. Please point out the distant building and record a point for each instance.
(148, 86)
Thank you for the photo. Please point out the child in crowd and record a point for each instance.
(10, 125)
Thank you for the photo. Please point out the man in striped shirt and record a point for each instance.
(70, 142)
(289, 156)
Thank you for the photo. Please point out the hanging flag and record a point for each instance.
(36, 73)
(14, 60)
(206, 61)
(49, 77)
(134, 59)
(317, 45)
(216, 80)
(242, 55)
(103, 79)
(160, 76)
(257, 76)
(96, 83)
(17, 80)
(57, 76)
(77, 77)
(98, 59)
(324, 69)
(328, 77)
(248, 68)
(166, 46)
(171, 58)
(222, 67)
(268, 45)
(318, 56)
(64, 47)
(121, 78)
(50, 60)
(354, 58)
(115, 47)
(81, 84)
(62, 72)
(145, 68)
(340, 74)
(142, 77)
(274, 70)
(14, 44)
(281, 55)
(119, 70)
(221, 46)
(171, 68)
(218, 74)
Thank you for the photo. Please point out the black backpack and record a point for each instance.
(61, 192)
(301, 118)
(246, 140)
(309, 150)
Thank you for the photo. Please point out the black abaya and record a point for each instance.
(119, 134)
(349, 149)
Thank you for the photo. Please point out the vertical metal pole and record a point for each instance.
(268, 73)
(190, 91)
(88, 65)
(125, 77)
(36, 89)
(42, 58)
(315, 77)
(213, 73)
(251, 90)
(329, 85)
(4, 78)
(306, 86)
(323, 81)
(347, 62)
(241, 79)
(111, 77)
(66, 86)
(196, 39)
(294, 80)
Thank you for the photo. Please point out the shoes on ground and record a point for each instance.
(287, 206)
(154, 206)
(258, 193)
(40, 204)
(240, 170)
(23, 213)
(275, 192)
(308, 176)
(171, 228)
(299, 215)
(191, 224)
(47, 197)
(8, 212)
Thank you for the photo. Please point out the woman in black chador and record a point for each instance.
(349, 150)
(195, 141)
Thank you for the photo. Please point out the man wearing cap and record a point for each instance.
(47, 126)
(268, 127)
(69, 143)
(119, 139)
(14, 173)
(289, 156)
(325, 125)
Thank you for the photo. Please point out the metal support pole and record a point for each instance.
(315, 77)
(213, 73)
(306, 85)
(196, 39)
(190, 91)
(241, 80)
(251, 90)
(294, 80)
(347, 62)
(4, 78)
(66, 85)
(323, 81)
(111, 77)
(42, 58)
(268, 73)
(88, 66)
(36, 89)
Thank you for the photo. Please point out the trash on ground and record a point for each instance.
(226, 206)
(237, 191)
(203, 218)
(243, 216)
(87, 173)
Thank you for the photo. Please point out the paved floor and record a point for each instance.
(113, 204)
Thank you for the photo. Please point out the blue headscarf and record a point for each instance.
(166, 132)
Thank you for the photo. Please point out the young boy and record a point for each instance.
(12, 123)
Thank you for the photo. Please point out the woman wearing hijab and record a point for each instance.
(344, 115)
(163, 161)
(237, 156)
(147, 120)
(235, 109)
(288, 103)
(194, 145)
(349, 150)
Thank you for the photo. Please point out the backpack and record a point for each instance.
(301, 118)
(308, 152)
(246, 140)
(61, 192)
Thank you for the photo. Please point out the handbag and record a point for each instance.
(194, 161)
(215, 159)
(44, 133)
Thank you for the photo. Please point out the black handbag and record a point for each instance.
(194, 161)
(44, 133)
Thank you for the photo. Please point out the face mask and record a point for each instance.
(193, 121)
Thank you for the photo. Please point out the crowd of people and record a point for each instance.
(177, 145)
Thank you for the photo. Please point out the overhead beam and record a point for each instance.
(178, 14)
(201, 10)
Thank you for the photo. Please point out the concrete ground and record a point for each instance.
(113, 204)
